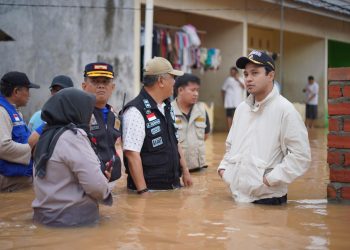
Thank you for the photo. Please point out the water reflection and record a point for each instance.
(202, 217)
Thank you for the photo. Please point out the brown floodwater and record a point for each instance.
(202, 217)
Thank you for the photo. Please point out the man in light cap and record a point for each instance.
(153, 158)
(267, 146)
(15, 152)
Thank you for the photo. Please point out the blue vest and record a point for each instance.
(20, 134)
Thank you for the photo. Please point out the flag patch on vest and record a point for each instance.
(157, 142)
(151, 117)
(15, 116)
(152, 123)
(155, 130)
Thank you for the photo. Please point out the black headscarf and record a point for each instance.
(69, 109)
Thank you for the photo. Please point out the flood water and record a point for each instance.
(201, 217)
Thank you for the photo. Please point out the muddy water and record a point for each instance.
(202, 217)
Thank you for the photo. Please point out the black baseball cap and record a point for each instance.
(16, 78)
(62, 81)
(99, 69)
(257, 57)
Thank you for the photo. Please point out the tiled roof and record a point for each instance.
(338, 6)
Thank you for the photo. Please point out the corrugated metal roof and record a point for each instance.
(338, 6)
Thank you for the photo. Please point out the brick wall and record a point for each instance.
(338, 158)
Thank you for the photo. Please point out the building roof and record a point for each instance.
(335, 6)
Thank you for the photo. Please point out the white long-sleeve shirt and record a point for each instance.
(266, 138)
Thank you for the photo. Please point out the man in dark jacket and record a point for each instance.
(104, 125)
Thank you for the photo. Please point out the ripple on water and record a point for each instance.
(196, 234)
(318, 243)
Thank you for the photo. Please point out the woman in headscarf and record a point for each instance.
(68, 182)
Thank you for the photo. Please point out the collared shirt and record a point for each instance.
(134, 128)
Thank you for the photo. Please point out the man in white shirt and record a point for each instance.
(267, 146)
(311, 91)
(153, 157)
(232, 94)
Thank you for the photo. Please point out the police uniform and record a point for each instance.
(105, 124)
(104, 136)
(159, 152)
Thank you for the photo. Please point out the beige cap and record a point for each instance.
(160, 65)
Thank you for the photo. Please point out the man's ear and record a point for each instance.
(83, 85)
(272, 75)
(180, 89)
(160, 82)
(15, 90)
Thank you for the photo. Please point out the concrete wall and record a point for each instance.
(51, 40)
(304, 56)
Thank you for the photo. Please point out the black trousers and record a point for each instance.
(272, 201)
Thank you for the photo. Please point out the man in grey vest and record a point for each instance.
(192, 120)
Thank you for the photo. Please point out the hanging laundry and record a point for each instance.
(181, 47)
(192, 32)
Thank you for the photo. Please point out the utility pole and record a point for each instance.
(281, 45)
(148, 31)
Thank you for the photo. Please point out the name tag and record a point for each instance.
(152, 123)
(155, 130)
(157, 142)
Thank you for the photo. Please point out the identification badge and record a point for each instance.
(155, 130)
(152, 123)
(157, 142)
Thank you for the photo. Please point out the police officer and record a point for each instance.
(104, 125)
(153, 157)
(192, 120)
(15, 152)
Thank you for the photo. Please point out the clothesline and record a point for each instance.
(166, 26)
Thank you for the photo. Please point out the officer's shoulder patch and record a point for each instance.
(117, 123)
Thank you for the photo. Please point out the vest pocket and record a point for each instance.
(200, 129)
